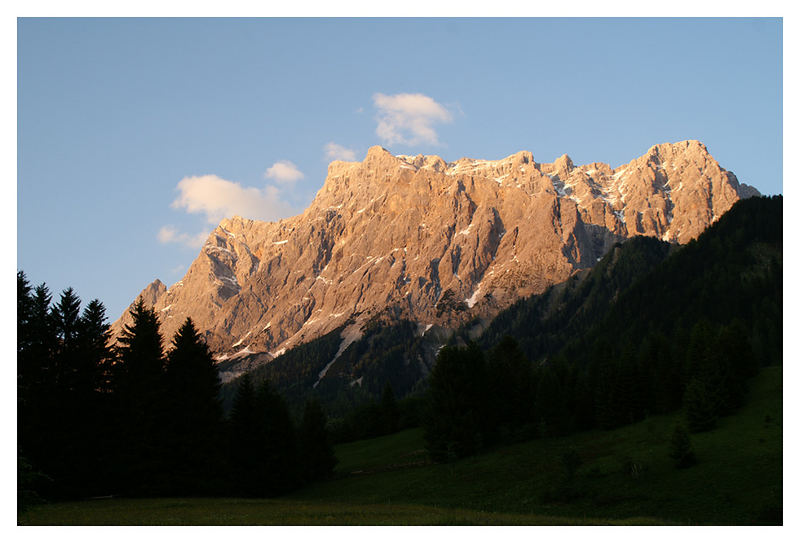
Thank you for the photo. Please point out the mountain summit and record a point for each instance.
(432, 241)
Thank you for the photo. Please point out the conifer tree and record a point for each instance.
(94, 411)
(279, 468)
(509, 384)
(739, 363)
(24, 340)
(43, 341)
(245, 439)
(551, 400)
(264, 441)
(316, 450)
(24, 312)
(701, 413)
(193, 412)
(66, 318)
(35, 351)
(139, 377)
(96, 348)
(192, 379)
(456, 424)
(390, 413)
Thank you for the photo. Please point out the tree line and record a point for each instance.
(479, 399)
(136, 418)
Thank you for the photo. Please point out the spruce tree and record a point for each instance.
(24, 312)
(35, 350)
(390, 413)
(456, 423)
(139, 377)
(245, 438)
(509, 384)
(66, 318)
(95, 415)
(700, 408)
(97, 354)
(316, 451)
(193, 413)
(739, 363)
(264, 456)
(278, 471)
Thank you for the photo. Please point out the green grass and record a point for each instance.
(401, 450)
(388, 480)
(234, 511)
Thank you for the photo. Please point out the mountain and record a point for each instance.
(418, 239)
(640, 304)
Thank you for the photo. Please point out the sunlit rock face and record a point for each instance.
(439, 243)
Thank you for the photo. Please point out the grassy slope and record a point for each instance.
(387, 481)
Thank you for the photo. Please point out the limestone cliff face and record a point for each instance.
(435, 242)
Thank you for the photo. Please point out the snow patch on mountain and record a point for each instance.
(349, 335)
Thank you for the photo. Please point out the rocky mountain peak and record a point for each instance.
(418, 238)
(563, 164)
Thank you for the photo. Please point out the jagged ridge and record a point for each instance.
(433, 242)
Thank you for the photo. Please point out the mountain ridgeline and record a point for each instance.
(437, 244)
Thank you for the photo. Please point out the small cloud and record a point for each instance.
(409, 119)
(177, 269)
(217, 198)
(284, 171)
(360, 110)
(170, 234)
(334, 151)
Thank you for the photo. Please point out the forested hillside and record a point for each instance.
(644, 333)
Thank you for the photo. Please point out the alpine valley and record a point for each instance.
(428, 246)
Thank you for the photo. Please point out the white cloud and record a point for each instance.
(217, 198)
(170, 234)
(334, 151)
(284, 171)
(409, 118)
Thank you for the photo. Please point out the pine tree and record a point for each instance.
(192, 379)
(244, 441)
(94, 414)
(279, 468)
(41, 350)
(390, 413)
(456, 423)
(701, 413)
(24, 312)
(139, 378)
(739, 363)
(509, 384)
(264, 455)
(24, 340)
(66, 318)
(193, 414)
(98, 357)
(316, 451)
(35, 360)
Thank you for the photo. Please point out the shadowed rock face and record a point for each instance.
(431, 241)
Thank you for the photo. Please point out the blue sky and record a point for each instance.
(136, 135)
